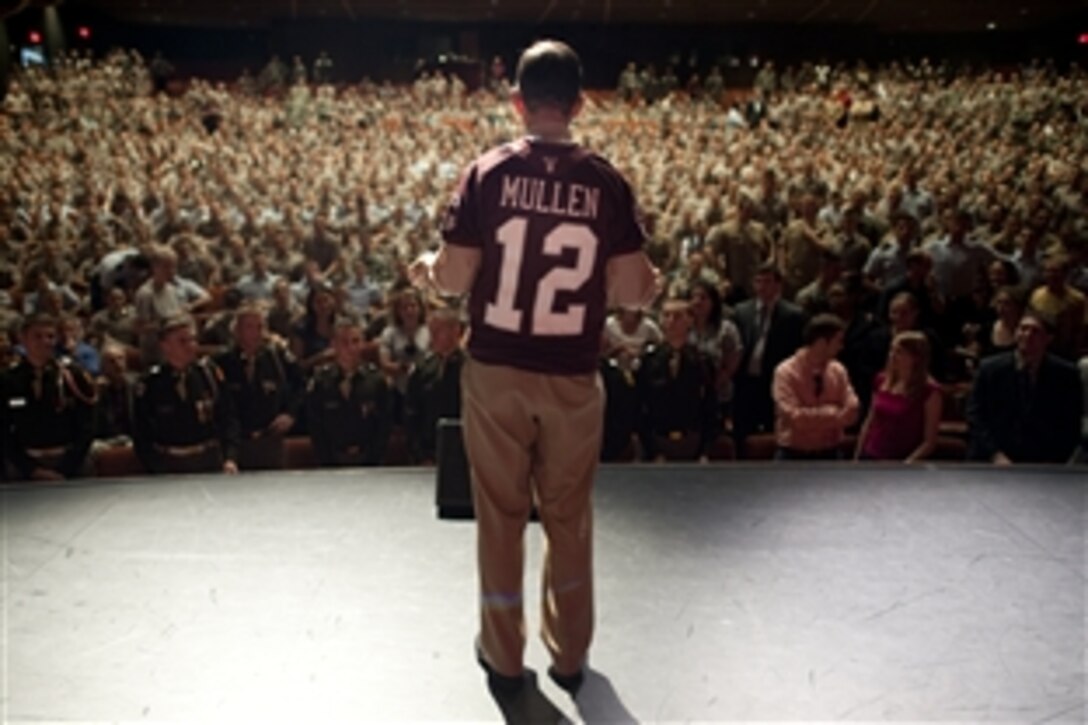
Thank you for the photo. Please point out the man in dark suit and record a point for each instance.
(770, 329)
(1025, 406)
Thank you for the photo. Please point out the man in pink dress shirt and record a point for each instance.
(814, 402)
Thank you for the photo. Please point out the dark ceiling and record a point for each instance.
(889, 15)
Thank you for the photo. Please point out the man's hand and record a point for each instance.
(1000, 459)
(230, 468)
(419, 271)
(45, 474)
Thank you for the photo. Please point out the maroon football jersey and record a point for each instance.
(547, 217)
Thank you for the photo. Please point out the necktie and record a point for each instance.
(674, 364)
(251, 368)
(1026, 388)
(345, 387)
(179, 385)
(36, 383)
(755, 363)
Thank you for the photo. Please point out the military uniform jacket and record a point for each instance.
(678, 395)
(167, 418)
(434, 391)
(55, 410)
(276, 386)
(348, 415)
(115, 414)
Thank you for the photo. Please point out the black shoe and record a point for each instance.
(570, 683)
(496, 681)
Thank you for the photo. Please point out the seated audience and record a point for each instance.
(110, 180)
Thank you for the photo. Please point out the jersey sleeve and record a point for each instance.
(461, 226)
(628, 233)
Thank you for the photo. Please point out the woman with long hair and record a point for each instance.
(311, 339)
(1000, 337)
(715, 337)
(404, 342)
(906, 409)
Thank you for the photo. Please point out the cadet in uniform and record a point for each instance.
(434, 386)
(185, 422)
(677, 389)
(48, 409)
(541, 233)
(348, 404)
(266, 389)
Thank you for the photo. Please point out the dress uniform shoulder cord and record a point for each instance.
(209, 377)
(281, 374)
(67, 380)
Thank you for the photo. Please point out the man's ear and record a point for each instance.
(519, 103)
(577, 107)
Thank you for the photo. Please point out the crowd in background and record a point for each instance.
(854, 216)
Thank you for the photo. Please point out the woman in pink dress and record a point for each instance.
(906, 411)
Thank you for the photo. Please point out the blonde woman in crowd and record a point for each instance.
(905, 414)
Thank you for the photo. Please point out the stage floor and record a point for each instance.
(724, 594)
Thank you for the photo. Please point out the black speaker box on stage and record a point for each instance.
(453, 482)
(453, 489)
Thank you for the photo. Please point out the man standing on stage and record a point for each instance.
(541, 234)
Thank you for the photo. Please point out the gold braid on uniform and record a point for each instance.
(73, 386)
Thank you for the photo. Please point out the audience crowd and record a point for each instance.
(855, 260)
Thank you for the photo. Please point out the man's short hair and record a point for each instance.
(38, 319)
(909, 297)
(250, 308)
(676, 303)
(770, 268)
(904, 215)
(162, 254)
(346, 322)
(919, 256)
(823, 327)
(1045, 321)
(445, 310)
(174, 322)
(549, 73)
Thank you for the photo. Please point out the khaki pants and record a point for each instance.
(530, 435)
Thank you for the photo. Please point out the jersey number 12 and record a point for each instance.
(502, 313)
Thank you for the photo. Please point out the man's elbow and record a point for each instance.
(631, 280)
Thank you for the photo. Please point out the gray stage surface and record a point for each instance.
(724, 594)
